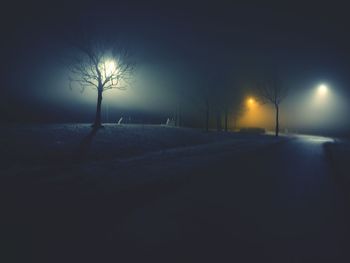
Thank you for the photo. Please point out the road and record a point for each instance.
(276, 203)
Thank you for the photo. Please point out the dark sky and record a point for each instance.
(200, 42)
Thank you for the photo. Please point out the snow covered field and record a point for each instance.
(156, 190)
(70, 158)
(38, 145)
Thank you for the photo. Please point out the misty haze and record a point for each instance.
(187, 131)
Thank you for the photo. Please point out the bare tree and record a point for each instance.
(207, 112)
(232, 110)
(272, 91)
(218, 119)
(101, 68)
(236, 112)
(178, 114)
(226, 115)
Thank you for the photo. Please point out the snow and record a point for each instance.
(142, 186)
(41, 160)
(58, 143)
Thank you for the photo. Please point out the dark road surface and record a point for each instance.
(279, 203)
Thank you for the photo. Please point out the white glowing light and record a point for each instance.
(322, 90)
(109, 67)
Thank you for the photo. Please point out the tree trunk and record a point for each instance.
(218, 120)
(177, 117)
(277, 120)
(179, 121)
(207, 116)
(97, 122)
(226, 120)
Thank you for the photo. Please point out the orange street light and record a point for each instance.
(250, 101)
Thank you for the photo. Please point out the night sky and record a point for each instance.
(182, 49)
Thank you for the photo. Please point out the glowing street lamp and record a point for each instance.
(322, 90)
(110, 67)
(250, 101)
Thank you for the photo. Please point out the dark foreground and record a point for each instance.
(276, 203)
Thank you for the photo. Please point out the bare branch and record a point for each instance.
(271, 91)
(100, 67)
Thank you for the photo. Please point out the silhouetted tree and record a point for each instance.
(218, 119)
(232, 110)
(231, 103)
(272, 91)
(235, 112)
(207, 112)
(101, 68)
(226, 114)
(205, 104)
(178, 115)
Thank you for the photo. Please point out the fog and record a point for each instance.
(317, 109)
(185, 58)
(321, 107)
